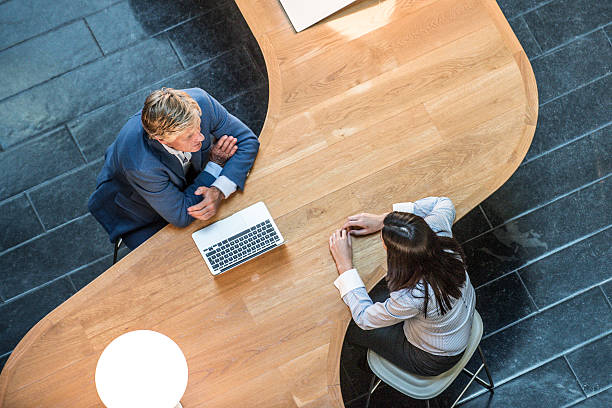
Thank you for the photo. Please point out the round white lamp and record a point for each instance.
(141, 368)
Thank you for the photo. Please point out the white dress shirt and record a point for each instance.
(224, 184)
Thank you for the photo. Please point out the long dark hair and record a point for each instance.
(416, 255)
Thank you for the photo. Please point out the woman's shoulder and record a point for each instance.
(412, 297)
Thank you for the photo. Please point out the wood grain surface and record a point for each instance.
(385, 101)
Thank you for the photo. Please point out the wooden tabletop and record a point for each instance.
(386, 101)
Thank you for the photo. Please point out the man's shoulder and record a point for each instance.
(131, 146)
(200, 96)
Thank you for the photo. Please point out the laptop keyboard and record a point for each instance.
(242, 246)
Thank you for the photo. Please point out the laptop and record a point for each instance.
(304, 13)
(234, 240)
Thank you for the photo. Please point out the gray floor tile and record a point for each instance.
(523, 240)
(95, 131)
(46, 56)
(84, 89)
(571, 116)
(49, 156)
(18, 221)
(221, 77)
(603, 399)
(52, 255)
(21, 20)
(587, 364)
(3, 361)
(551, 385)
(223, 28)
(554, 278)
(255, 52)
(20, 315)
(66, 197)
(547, 334)
(82, 277)
(251, 107)
(513, 7)
(577, 63)
(127, 22)
(561, 20)
(558, 173)
(511, 302)
(525, 37)
(470, 225)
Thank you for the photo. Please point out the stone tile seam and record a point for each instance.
(72, 283)
(529, 10)
(49, 231)
(46, 132)
(168, 78)
(101, 57)
(252, 59)
(65, 23)
(499, 383)
(541, 50)
(604, 389)
(608, 37)
(568, 42)
(547, 307)
(41, 135)
(583, 85)
(547, 254)
(76, 143)
(51, 180)
(555, 199)
(27, 195)
(566, 143)
(575, 376)
(131, 45)
(156, 34)
(604, 292)
(533, 302)
(178, 56)
(539, 206)
(93, 36)
(51, 78)
(65, 275)
(486, 216)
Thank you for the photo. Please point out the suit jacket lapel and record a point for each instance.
(167, 159)
(196, 161)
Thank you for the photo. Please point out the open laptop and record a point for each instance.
(234, 240)
(304, 13)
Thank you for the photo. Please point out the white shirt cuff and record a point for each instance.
(213, 168)
(226, 186)
(404, 207)
(348, 281)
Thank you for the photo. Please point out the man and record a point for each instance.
(163, 167)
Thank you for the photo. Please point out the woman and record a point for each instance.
(424, 323)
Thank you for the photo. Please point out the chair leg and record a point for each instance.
(474, 377)
(117, 246)
(490, 386)
(427, 403)
(372, 389)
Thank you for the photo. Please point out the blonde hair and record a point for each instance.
(167, 112)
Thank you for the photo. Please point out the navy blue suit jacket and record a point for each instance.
(142, 183)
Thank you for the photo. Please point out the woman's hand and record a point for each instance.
(341, 249)
(364, 223)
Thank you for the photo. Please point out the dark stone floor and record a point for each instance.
(71, 73)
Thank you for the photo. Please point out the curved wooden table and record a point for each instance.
(384, 102)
